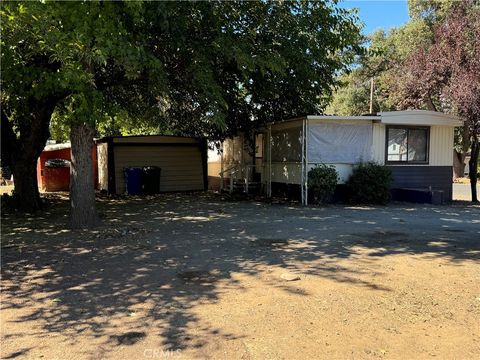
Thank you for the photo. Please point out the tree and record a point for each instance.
(381, 63)
(253, 62)
(449, 73)
(385, 63)
(59, 56)
(352, 97)
(207, 68)
(31, 85)
(431, 11)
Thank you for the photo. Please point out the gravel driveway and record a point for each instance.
(196, 276)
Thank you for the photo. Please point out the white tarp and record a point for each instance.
(339, 143)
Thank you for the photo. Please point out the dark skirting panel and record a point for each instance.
(287, 191)
(423, 184)
(422, 177)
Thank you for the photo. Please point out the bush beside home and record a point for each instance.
(322, 181)
(369, 184)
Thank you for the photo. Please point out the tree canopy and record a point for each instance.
(429, 63)
(216, 64)
(447, 75)
(191, 68)
(382, 63)
(65, 59)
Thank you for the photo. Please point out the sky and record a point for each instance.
(376, 14)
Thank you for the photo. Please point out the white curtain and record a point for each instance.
(339, 143)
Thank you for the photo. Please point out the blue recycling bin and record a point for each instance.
(133, 180)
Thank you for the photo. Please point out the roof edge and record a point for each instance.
(337, 117)
(421, 116)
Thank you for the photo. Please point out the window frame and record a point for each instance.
(408, 128)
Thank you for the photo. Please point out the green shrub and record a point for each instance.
(369, 184)
(322, 180)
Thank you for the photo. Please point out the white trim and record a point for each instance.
(342, 122)
(419, 117)
(333, 117)
(405, 117)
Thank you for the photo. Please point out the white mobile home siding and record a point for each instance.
(440, 147)
(378, 143)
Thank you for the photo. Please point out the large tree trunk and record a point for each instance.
(458, 164)
(473, 171)
(83, 214)
(21, 153)
(26, 194)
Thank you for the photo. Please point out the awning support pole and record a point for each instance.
(306, 161)
(302, 179)
(269, 185)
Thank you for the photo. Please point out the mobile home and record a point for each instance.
(417, 146)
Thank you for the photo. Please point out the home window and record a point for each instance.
(407, 144)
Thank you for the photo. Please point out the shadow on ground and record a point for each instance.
(156, 258)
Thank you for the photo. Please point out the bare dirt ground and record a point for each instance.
(463, 191)
(196, 277)
(6, 189)
(464, 180)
